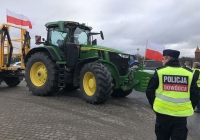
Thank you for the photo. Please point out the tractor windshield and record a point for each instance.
(81, 36)
(73, 34)
(56, 37)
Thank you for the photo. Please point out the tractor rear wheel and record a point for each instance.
(121, 93)
(95, 83)
(41, 74)
(12, 81)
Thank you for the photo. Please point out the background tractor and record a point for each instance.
(10, 50)
(70, 59)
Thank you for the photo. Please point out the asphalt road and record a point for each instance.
(66, 116)
(193, 121)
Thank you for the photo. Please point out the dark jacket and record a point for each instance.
(198, 67)
(154, 82)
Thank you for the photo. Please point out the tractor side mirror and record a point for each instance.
(101, 33)
(37, 39)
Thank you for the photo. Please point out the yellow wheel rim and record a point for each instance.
(89, 83)
(38, 74)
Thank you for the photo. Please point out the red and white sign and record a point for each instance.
(177, 87)
(154, 51)
(37, 39)
(175, 83)
(18, 19)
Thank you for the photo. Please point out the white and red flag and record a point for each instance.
(18, 19)
(154, 51)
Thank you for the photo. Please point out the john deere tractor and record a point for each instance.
(70, 59)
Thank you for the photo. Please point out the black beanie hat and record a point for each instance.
(172, 53)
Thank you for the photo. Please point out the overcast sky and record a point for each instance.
(126, 24)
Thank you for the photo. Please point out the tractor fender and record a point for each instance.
(42, 49)
(114, 72)
(79, 65)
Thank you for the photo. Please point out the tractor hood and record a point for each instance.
(97, 47)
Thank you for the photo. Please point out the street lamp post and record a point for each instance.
(137, 53)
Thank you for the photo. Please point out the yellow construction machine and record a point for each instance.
(14, 43)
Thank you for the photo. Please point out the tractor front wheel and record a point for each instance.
(95, 83)
(41, 74)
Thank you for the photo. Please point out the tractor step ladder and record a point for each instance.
(61, 82)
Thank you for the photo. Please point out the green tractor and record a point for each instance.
(70, 59)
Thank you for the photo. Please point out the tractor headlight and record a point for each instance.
(124, 55)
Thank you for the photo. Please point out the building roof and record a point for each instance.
(197, 50)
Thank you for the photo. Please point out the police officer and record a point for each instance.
(187, 64)
(173, 94)
(196, 66)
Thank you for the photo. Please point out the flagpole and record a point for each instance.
(145, 52)
(6, 17)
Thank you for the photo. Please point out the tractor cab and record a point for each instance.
(60, 33)
(67, 37)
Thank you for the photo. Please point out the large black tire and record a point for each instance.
(120, 93)
(41, 74)
(70, 87)
(95, 83)
(12, 81)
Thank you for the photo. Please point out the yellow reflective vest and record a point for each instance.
(198, 81)
(173, 92)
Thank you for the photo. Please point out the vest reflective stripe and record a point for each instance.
(172, 108)
(198, 81)
(173, 92)
(179, 100)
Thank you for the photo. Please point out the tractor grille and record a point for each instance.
(121, 63)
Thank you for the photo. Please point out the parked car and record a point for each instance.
(151, 64)
(17, 64)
